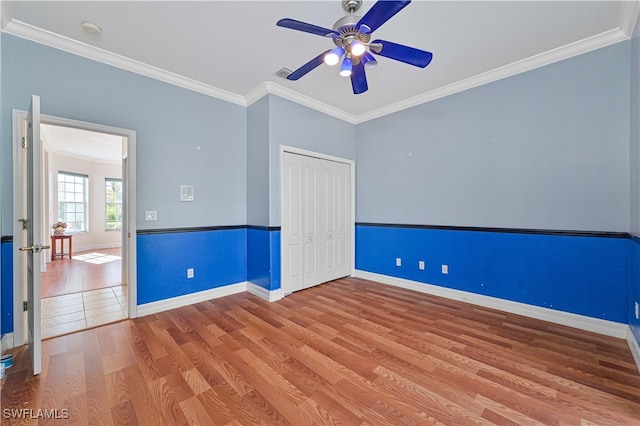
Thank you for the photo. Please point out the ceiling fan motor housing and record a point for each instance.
(347, 26)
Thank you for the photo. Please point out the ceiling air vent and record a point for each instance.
(283, 72)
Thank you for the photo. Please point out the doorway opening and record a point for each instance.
(81, 282)
(88, 173)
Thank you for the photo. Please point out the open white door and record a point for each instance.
(33, 249)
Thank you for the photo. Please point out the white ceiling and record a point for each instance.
(83, 144)
(231, 49)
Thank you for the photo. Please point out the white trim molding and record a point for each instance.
(633, 346)
(629, 15)
(555, 55)
(6, 342)
(630, 11)
(270, 87)
(190, 299)
(263, 293)
(51, 39)
(607, 328)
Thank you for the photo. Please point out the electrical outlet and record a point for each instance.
(637, 311)
(445, 269)
(421, 265)
(150, 215)
(190, 273)
(398, 261)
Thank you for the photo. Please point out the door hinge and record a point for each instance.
(24, 223)
(25, 307)
(24, 142)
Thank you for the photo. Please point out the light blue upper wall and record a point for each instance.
(634, 253)
(258, 163)
(546, 149)
(182, 137)
(301, 127)
(635, 133)
(1, 185)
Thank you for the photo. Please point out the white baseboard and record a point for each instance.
(6, 342)
(608, 328)
(633, 346)
(189, 299)
(263, 293)
(96, 247)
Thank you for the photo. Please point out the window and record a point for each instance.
(72, 201)
(113, 204)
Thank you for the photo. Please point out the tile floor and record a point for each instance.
(77, 311)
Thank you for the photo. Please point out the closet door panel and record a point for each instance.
(313, 194)
(292, 233)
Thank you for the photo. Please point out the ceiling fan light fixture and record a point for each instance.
(357, 48)
(352, 35)
(368, 60)
(334, 56)
(347, 65)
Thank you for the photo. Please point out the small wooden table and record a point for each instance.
(54, 245)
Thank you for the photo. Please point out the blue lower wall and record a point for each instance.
(218, 257)
(634, 285)
(274, 243)
(263, 257)
(6, 280)
(258, 257)
(593, 276)
(585, 275)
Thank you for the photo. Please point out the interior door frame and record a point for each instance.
(129, 228)
(352, 201)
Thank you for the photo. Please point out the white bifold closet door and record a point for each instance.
(315, 231)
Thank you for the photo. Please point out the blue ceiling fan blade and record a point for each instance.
(380, 13)
(307, 28)
(309, 66)
(358, 79)
(402, 53)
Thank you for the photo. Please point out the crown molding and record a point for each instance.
(629, 14)
(299, 98)
(51, 39)
(583, 46)
(256, 94)
(269, 87)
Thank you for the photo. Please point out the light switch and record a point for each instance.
(150, 215)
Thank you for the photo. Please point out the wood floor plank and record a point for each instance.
(348, 352)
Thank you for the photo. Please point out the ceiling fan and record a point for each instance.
(352, 37)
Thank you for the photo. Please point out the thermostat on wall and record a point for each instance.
(186, 193)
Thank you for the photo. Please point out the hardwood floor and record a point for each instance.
(85, 271)
(347, 352)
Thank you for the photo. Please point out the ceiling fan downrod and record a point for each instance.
(351, 6)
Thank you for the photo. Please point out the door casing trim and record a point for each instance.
(18, 118)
